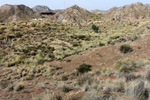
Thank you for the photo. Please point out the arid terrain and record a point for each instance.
(75, 54)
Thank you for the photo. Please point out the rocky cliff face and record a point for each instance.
(15, 12)
(129, 12)
(40, 8)
(73, 14)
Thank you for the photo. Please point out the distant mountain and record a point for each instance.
(73, 14)
(57, 11)
(97, 12)
(15, 12)
(41, 8)
(129, 12)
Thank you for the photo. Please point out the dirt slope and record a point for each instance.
(107, 56)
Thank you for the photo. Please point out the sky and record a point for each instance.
(87, 4)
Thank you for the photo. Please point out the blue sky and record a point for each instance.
(87, 4)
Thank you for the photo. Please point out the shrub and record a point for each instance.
(85, 79)
(94, 95)
(18, 34)
(19, 87)
(64, 78)
(48, 96)
(95, 28)
(137, 91)
(33, 24)
(101, 44)
(68, 60)
(65, 89)
(4, 84)
(125, 48)
(83, 68)
(147, 73)
(125, 66)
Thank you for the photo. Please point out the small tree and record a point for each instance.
(95, 28)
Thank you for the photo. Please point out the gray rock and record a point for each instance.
(60, 18)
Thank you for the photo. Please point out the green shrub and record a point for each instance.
(65, 89)
(83, 68)
(95, 28)
(125, 66)
(68, 60)
(76, 44)
(33, 24)
(125, 48)
(101, 44)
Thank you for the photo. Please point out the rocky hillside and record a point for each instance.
(15, 12)
(73, 14)
(129, 12)
(40, 8)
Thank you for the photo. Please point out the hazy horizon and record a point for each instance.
(89, 5)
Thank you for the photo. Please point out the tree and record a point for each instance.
(95, 28)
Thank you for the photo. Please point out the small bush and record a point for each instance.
(137, 91)
(83, 68)
(125, 48)
(4, 84)
(65, 89)
(125, 66)
(48, 96)
(95, 28)
(95, 95)
(101, 44)
(147, 73)
(68, 60)
(64, 78)
(85, 79)
(19, 87)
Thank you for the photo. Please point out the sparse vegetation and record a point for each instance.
(44, 55)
